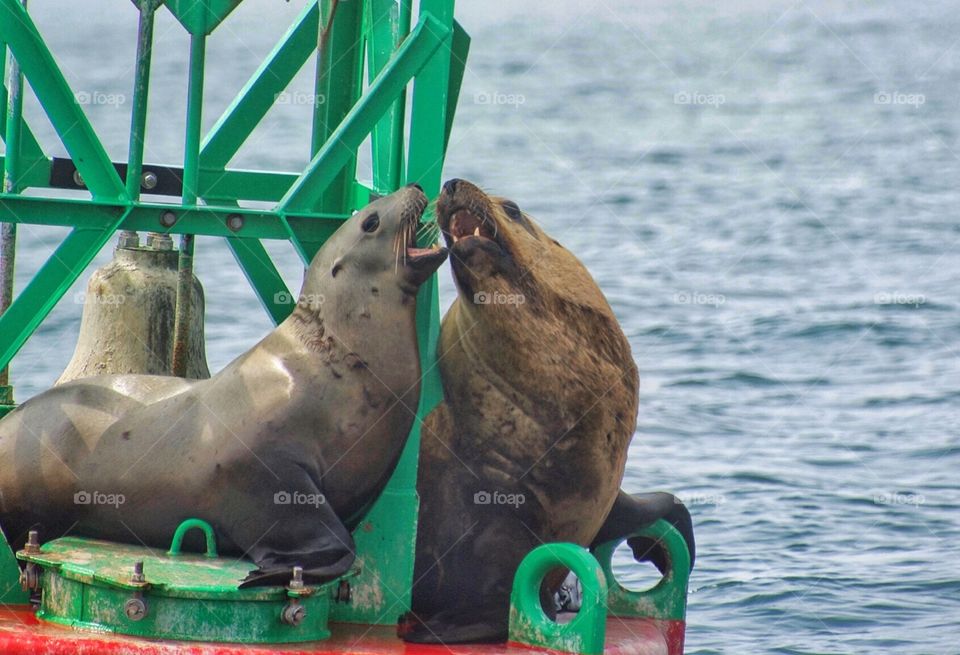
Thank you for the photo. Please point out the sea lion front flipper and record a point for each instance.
(304, 530)
(310, 536)
(631, 512)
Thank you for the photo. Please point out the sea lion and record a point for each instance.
(530, 442)
(281, 451)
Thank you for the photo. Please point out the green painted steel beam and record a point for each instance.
(201, 18)
(264, 278)
(261, 91)
(34, 165)
(206, 220)
(338, 82)
(343, 143)
(49, 284)
(388, 23)
(231, 130)
(245, 185)
(260, 271)
(10, 591)
(459, 49)
(58, 101)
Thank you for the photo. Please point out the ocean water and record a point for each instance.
(767, 194)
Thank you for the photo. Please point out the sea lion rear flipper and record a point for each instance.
(633, 512)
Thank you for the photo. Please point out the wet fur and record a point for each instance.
(540, 400)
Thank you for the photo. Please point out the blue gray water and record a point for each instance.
(767, 193)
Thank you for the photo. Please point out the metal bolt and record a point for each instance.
(234, 222)
(297, 581)
(137, 573)
(135, 609)
(148, 180)
(167, 218)
(77, 179)
(159, 241)
(30, 577)
(128, 239)
(293, 613)
(342, 594)
(33, 542)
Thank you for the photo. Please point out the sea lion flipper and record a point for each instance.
(632, 512)
(280, 574)
(306, 531)
(315, 541)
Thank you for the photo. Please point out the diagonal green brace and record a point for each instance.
(49, 284)
(232, 129)
(48, 83)
(343, 144)
(263, 277)
(459, 49)
(261, 91)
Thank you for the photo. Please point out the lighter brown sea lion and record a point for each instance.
(530, 443)
(281, 451)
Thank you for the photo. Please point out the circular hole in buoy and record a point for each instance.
(633, 575)
(558, 587)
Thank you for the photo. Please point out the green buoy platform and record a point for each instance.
(134, 590)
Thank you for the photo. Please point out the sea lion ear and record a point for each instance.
(512, 210)
(337, 266)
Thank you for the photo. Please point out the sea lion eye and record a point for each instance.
(371, 223)
(512, 210)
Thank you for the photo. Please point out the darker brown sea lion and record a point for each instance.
(530, 443)
(281, 451)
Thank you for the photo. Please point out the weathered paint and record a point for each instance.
(667, 600)
(21, 633)
(188, 596)
(585, 633)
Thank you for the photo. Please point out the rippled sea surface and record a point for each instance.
(766, 192)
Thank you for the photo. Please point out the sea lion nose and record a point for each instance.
(416, 186)
(450, 186)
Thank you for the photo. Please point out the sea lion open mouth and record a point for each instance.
(465, 224)
(467, 219)
(419, 263)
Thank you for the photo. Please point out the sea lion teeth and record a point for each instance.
(476, 232)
